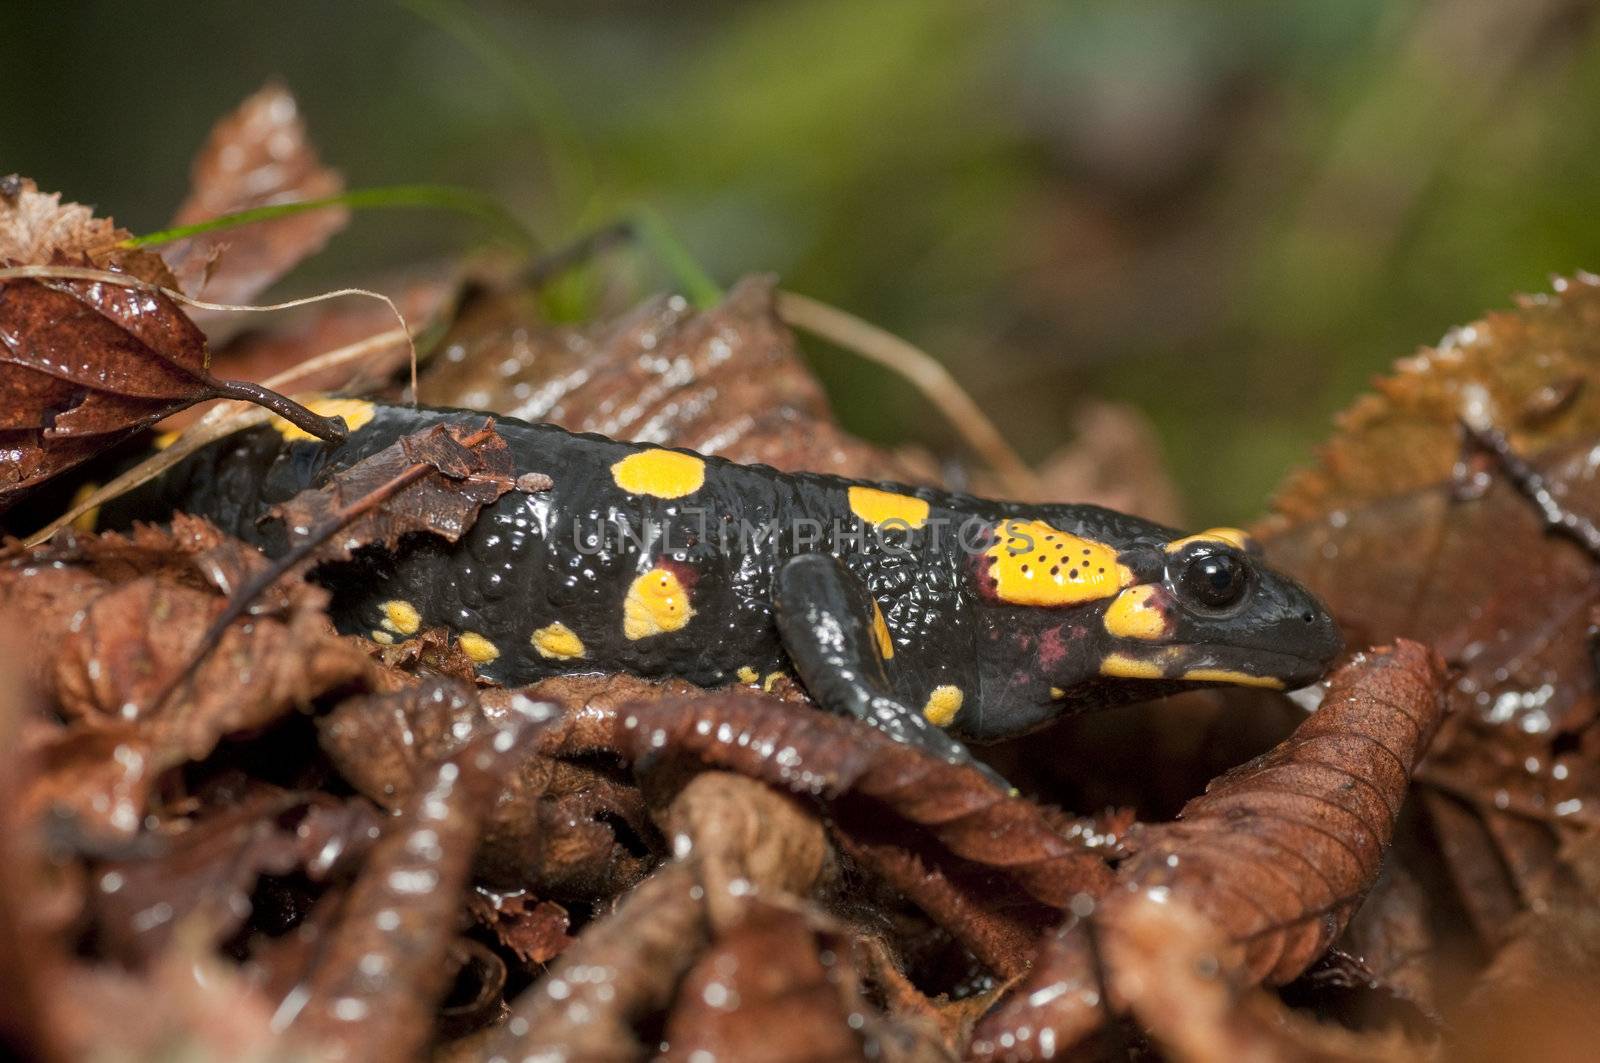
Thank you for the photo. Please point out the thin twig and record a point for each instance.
(925, 373)
(1532, 485)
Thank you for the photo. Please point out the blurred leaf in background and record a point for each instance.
(1229, 214)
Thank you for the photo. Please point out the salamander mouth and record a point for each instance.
(1253, 666)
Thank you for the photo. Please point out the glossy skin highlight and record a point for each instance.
(978, 618)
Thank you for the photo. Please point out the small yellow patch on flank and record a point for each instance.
(379, 635)
(1122, 667)
(163, 440)
(1033, 563)
(477, 647)
(86, 520)
(401, 617)
(880, 632)
(1131, 616)
(942, 705)
(356, 413)
(882, 507)
(1231, 536)
(771, 681)
(748, 675)
(660, 473)
(1223, 675)
(1057, 693)
(558, 642)
(657, 602)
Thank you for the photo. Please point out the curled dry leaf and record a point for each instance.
(1275, 855)
(555, 829)
(373, 991)
(257, 156)
(83, 363)
(814, 753)
(728, 381)
(208, 867)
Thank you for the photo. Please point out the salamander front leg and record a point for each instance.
(827, 623)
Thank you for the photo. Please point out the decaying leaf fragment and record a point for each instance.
(435, 481)
(1274, 856)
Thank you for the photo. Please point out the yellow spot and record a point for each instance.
(942, 705)
(401, 617)
(748, 675)
(1132, 616)
(880, 632)
(558, 642)
(165, 440)
(657, 602)
(1230, 536)
(771, 681)
(86, 520)
(881, 507)
(356, 413)
(1115, 664)
(1032, 563)
(382, 636)
(660, 473)
(1223, 675)
(1057, 693)
(477, 647)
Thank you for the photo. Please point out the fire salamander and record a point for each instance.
(934, 616)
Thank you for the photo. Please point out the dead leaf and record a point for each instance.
(84, 363)
(258, 155)
(129, 640)
(728, 381)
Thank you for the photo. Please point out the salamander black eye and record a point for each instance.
(1213, 580)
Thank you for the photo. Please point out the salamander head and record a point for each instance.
(1108, 608)
(1204, 608)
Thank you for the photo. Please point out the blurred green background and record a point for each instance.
(1229, 214)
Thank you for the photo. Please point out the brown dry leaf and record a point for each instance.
(374, 988)
(83, 363)
(132, 635)
(1397, 548)
(1275, 855)
(1534, 372)
(728, 381)
(256, 156)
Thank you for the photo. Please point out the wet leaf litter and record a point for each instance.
(230, 829)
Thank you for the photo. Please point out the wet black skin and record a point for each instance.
(797, 602)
